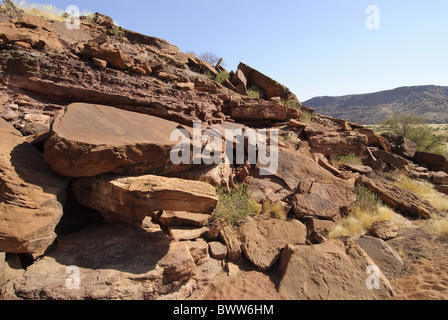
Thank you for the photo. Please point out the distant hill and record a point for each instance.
(428, 101)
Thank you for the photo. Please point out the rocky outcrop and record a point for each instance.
(433, 162)
(312, 204)
(269, 87)
(110, 262)
(263, 240)
(88, 140)
(30, 32)
(335, 270)
(335, 142)
(129, 199)
(400, 199)
(31, 197)
(401, 145)
(386, 258)
(314, 187)
(393, 160)
(101, 103)
(274, 111)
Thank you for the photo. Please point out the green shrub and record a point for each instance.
(346, 159)
(209, 75)
(292, 104)
(117, 33)
(254, 92)
(306, 117)
(222, 76)
(365, 199)
(235, 206)
(413, 127)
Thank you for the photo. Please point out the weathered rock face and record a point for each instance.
(263, 240)
(320, 188)
(64, 78)
(401, 145)
(334, 270)
(395, 161)
(31, 196)
(385, 229)
(384, 256)
(114, 262)
(270, 87)
(260, 111)
(433, 162)
(88, 140)
(216, 175)
(233, 244)
(129, 199)
(335, 142)
(312, 204)
(440, 178)
(10, 268)
(32, 31)
(399, 199)
(114, 57)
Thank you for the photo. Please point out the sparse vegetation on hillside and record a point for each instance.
(306, 117)
(254, 92)
(414, 128)
(209, 57)
(438, 227)
(235, 206)
(273, 210)
(346, 159)
(44, 11)
(363, 214)
(425, 190)
(292, 104)
(222, 76)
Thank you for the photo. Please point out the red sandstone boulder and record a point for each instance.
(89, 140)
(31, 197)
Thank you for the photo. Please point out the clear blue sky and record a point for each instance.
(315, 48)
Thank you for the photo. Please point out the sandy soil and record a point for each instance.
(425, 276)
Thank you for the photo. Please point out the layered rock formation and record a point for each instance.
(90, 113)
(31, 196)
(129, 199)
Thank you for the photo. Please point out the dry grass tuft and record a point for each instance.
(359, 221)
(425, 190)
(353, 159)
(45, 11)
(363, 214)
(274, 209)
(438, 227)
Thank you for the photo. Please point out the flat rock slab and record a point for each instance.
(106, 262)
(323, 194)
(334, 270)
(263, 240)
(400, 199)
(296, 167)
(129, 199)
(384, 256)
(179, 218)
(89, 140)
(31, 196)
(260, 111)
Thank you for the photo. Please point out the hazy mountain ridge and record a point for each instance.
(428, 101)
